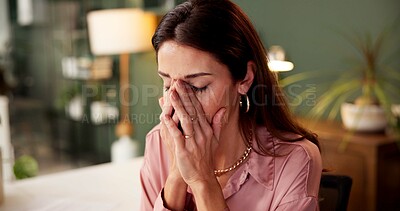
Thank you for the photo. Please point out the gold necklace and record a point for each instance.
(219, 172)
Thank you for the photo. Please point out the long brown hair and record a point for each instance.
(222, 29)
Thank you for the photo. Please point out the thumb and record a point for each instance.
(217, 122)
(161, 101)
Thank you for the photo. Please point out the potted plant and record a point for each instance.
(371, 77)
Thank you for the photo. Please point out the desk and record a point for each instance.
(105, 187)
(372, 160)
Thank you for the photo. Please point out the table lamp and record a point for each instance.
(276, 62)
(121, 32)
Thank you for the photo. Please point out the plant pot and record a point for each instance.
(365, 118)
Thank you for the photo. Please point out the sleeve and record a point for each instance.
(303, 204)
(153, 173)
(151, 195)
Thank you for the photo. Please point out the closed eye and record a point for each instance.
(197, 89)
(194, 88)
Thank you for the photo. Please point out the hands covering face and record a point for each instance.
(193, 145)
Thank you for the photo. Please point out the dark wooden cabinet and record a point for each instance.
(371, 159)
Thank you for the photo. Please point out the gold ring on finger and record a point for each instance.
(193, 118)
(189, 136)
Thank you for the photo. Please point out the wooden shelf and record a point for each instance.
(371, 159)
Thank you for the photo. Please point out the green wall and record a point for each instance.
(148, 88)
(312, 31)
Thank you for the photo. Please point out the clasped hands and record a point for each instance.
(190, 137)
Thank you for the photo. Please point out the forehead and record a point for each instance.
(179, 60)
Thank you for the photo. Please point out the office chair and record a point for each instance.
(334, 192)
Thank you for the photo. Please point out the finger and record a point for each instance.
(167, 107)
(175, 133)
(180, 111)
(197, 105)
(161, 101)
(202, 125)
(186, 102)
(217, 122)
(175, 118)
(161, 104)
(188, 105)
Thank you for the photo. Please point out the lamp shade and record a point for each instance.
(280, 66)
(277, 63)
(118, 31)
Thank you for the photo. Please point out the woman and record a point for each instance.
(226, 138)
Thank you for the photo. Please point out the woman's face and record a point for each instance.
(209, 79)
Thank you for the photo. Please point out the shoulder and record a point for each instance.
(154, 146)
(297, 164)
(153, 133)
(301, 161)
(155, 154)
(304, 148)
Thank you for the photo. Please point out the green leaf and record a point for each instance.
(331, 95)
(384, 102)
(336, 107)
(295, 78)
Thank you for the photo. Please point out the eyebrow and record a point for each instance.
(195, 75)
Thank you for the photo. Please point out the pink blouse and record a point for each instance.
(286, 182)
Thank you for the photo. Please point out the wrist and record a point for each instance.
(208, 192)
(174, 192)
(175, 176)
(204, 186)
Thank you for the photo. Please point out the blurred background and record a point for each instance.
(45, 57)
